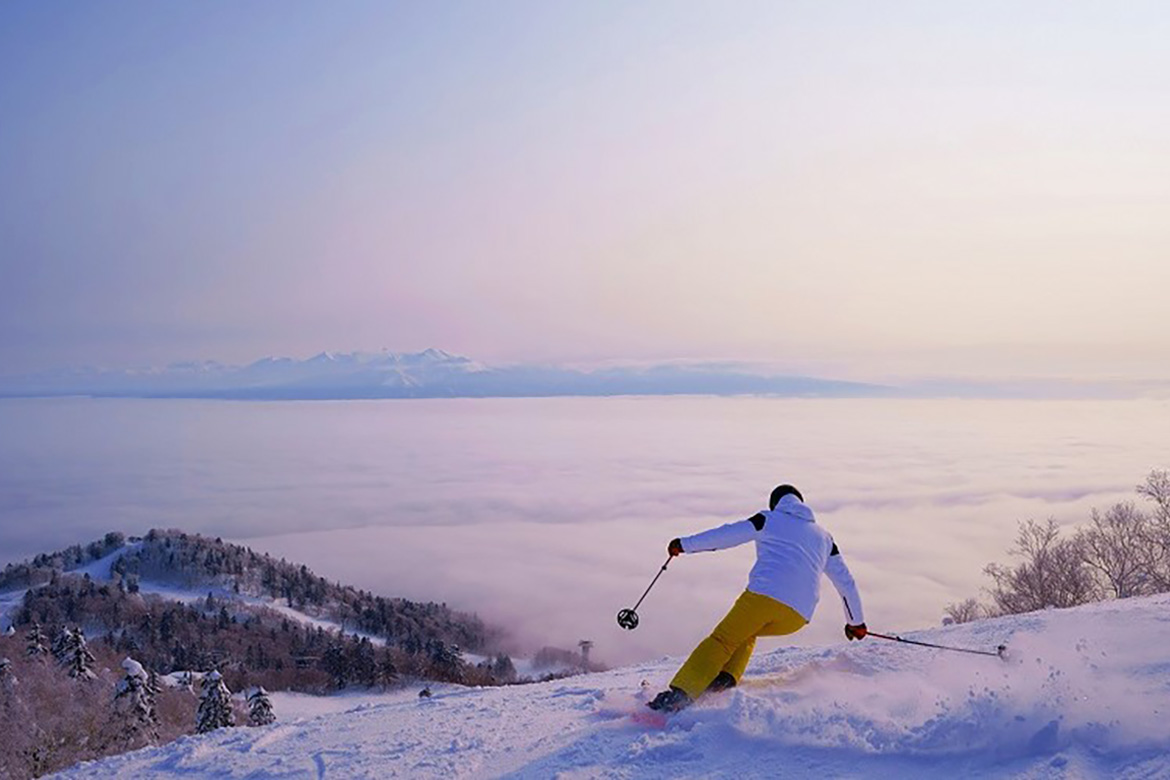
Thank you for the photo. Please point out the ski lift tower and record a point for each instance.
(585, 645)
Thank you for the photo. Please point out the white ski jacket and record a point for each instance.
(791, 552)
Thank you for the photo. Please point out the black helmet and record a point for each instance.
(780, 492)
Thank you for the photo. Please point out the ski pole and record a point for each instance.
(999, 651)
(628, 618)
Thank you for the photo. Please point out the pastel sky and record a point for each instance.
(854, 189)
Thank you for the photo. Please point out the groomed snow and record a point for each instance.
(10, 602)
(1085, 694)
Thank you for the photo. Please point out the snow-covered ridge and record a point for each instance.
(1084, 693)
(232, 583)
(431, 373)
(101, 571)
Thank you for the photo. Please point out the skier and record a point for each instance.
(782, 592)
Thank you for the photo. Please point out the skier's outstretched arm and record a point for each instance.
(721, 538)
(839, 574)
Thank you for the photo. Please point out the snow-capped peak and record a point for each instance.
(436, 354)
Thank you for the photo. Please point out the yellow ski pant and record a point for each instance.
(730, 645)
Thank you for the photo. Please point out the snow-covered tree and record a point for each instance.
(215, 705)
(136, 701)
(364, 666)
(38, 645)
(75, 655)
(154, 684)
(387, 669)
(336, 664)
(60, 644)
(503, 669)
(5, 668)
(446, 660)
(260, 708)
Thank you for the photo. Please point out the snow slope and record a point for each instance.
(10, 602)
(1085, 693)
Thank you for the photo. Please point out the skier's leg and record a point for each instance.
(739, 659)
(784, 620)
(747, 617)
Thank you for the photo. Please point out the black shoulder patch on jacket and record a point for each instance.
(758, 520)
(834, 551)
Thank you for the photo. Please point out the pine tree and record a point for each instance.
(37, 646)
(154, 684)
(60, 645)
(336, 664)
(260, 708)
(365, 663)
(215, 705)
(76, 657)
(138, 702)
(503, 669)
(5, 668)
(446, 660)
(387, 670)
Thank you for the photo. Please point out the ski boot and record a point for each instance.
(722, 682)
(671, 700)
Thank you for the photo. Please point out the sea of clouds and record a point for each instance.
(550, 515)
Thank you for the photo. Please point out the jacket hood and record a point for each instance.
(794, 508)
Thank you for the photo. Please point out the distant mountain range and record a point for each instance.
(428, 374)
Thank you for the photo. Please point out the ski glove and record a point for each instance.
(855, 632)
(674, 548)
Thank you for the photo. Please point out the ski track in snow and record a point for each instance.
(1085, 693)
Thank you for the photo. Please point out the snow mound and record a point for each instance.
(1083, 693)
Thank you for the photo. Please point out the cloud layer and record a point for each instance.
(551, 515)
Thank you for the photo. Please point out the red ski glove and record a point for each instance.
(855, 632)
(674, 548)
